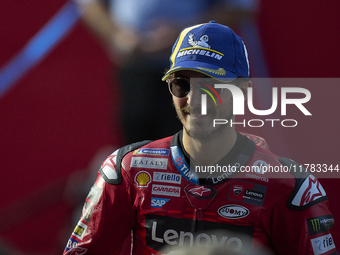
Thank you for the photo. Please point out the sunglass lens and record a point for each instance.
(180, 87)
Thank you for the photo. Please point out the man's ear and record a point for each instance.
(244, 85)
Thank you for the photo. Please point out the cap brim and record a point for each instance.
(205, 68)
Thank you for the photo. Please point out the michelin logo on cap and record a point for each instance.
(202, 42)
(199, 47)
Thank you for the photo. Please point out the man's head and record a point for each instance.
(205, 51)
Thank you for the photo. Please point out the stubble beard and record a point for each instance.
(194, 131)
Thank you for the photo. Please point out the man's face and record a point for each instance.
(198, 126)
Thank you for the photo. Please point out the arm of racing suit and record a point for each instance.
(301, 221)
(107, 217)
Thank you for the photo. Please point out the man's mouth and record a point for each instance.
(193, 112)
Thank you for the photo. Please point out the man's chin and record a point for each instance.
(203, 134)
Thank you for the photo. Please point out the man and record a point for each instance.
(161, 192)
(138, 36)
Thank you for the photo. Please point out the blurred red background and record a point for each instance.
(58, 117)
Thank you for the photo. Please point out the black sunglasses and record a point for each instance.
(180, 86)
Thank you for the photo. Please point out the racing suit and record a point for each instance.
(149, 188)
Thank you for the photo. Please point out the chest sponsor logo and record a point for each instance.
(309, 191)
(172, 237)
(153, 152)
(200, 191)
(158, 202)
(152, 163)
(237, 189)
(200, 197)
(142, 179)
(320, 224)
(172, 191)
(79, 230)
(247, 192)
(164, 231)
(322, 244)
(167, 177)
(253, 194)
(256, 177)
(233, 211)
(222, 177)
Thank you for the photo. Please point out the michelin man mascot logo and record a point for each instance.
(202, 42)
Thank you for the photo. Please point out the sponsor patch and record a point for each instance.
(237, 189)
(181, 166)
(158, 202)
(260, 167)
(202, 42)
(153, 152)
(94, 194)
(142, 179)
(71, 243)
(87, 212)
(320, 224)
(172, 191)
(233, 211)
(152, 163)
(247, 192)
(79, 230)
(167, 177)
(309, 191)
(163, 230)
(200, 197)
(322, 244)
(200, 191)
(256, 177)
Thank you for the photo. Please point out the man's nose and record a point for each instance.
(194, 97)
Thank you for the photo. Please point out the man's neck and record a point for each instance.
(212, 150)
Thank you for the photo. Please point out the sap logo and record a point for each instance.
(322, 244)
(181, 238)
(158, 202)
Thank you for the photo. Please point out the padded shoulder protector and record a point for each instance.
(307, 191)
(114, 176)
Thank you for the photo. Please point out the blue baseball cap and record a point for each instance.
(212, 49)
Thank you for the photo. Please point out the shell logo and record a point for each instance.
(142, 179)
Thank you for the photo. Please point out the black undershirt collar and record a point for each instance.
(240, 153)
